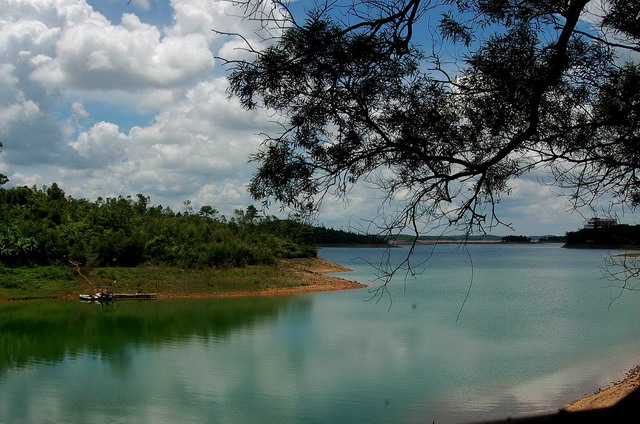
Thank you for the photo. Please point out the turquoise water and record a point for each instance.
(538, 329)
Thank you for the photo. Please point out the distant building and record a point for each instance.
(599, 223)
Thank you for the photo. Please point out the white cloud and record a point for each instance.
(196, 148)
(40, 60)
(593, 14)
(24, 111)
(155, 99)
(212, 18)
(25, 36)
(97, 55)
(51, 13)
(237, 49)
(203, 16)
(103, 143)
(78, 110)
(26, 179)
(13, 105)
(142, 4)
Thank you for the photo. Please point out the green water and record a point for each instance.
(537, 330)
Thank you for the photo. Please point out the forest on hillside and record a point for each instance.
(46, 226)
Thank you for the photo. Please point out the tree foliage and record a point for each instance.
(47, 226)
(331, 236)
(516, 239)
(442, 103)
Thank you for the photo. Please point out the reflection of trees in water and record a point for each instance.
(47, 331)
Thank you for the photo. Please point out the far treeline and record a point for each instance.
(45, 226)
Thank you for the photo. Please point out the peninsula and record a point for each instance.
(55, 246)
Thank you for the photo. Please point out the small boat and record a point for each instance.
(103, 294)
(98, 297)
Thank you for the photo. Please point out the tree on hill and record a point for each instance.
(442, 104)
(516, 239)
(322, 235)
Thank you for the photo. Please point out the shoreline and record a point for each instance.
(310, 271)
(307, 272)
(608, 395)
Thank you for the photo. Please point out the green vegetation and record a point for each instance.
(31, 282)
(172, 280)
(56, 281)
(618, 235)
(322, 235)
(45, 227)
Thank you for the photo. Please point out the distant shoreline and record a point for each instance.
(430, 242)
(601, 246)
(356, 245)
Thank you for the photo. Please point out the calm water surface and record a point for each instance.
(537, 330)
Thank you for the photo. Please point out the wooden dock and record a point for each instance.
(134, 296)
(108, 294)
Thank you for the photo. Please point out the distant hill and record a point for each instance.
(484, 238)
(459, 237)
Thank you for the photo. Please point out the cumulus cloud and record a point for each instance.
(142, 4)
(23, 111)
(155, 99)
(97, 55)
(78, 110)
(102, 143)
(217, 18)
(197, 148)
(14, 107)
(56, 53)
(72, 46)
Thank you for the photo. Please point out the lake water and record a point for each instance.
(538, 329)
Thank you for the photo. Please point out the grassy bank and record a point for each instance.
(37, 282)
(287, 276)
(52, 281)
(172, 280)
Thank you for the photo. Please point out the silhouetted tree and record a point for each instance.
(443, 103)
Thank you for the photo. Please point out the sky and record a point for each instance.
(111, 98)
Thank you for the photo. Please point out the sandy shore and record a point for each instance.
(309, 270)
(608, 396)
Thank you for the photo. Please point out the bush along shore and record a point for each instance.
(53, 245)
